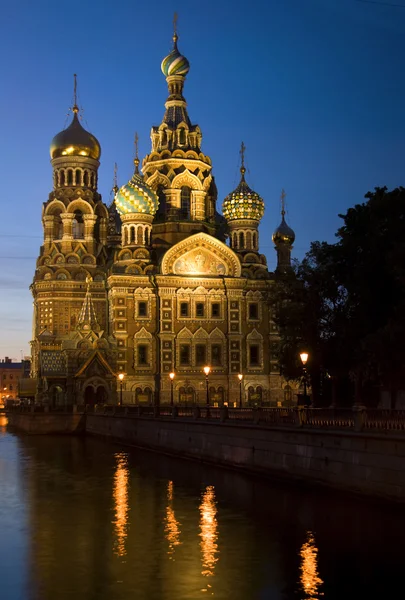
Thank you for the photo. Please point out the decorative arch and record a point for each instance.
(186, 179)
(55, 207)
(254, 335)
(80, 204)
(201, 254)
(217, 333)
(158, 179)
(201, 334)
(185, 333)
(143, 334)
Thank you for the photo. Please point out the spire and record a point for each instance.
(136, 159)
(242, 160)
(175, 36)
(115, 187)
(87, 320)
(75, 105)
(282, 198)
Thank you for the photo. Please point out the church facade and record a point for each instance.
(159, 282)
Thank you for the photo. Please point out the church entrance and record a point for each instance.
(101, 395)
(89, 395)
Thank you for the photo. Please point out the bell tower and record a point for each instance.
(176, 169)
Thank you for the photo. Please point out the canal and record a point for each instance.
(89, 520)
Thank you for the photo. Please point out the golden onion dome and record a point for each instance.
(283, 234)
(243, 203)
(75, 141)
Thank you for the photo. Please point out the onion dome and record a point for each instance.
(175, 63)
(75, 141)
(243, 203)
(283, 234)
(136, 196)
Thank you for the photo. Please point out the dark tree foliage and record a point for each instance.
(345, 302)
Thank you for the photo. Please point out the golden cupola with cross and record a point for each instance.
(243, 210)
(176, 168)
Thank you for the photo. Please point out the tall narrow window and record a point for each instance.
(253, 311)
(142, 309)
(241, 240)
(200, 355)
(142, 355)
(182, 136)
(215, 310)
(184, 309)
(70, 177)
(216, 355)
(253, 355)
(78, 225)
(199, 309)
(184, 354)
(185, 201)
(78, 178)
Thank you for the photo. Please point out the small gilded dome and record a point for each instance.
(175, 63)
(75, 141)
(243, 203)
(136, 196)
(283, 234)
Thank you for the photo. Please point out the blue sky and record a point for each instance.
(314, 88)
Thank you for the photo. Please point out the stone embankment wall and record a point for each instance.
(366, 463)
(47, 422)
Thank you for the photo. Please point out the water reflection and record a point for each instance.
(121, 485)
(209, 531)
(3, 423)
(310, 579)
(172, 526)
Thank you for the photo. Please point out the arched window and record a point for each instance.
(182, 136)
(241, 240)
(139, 235)
(163, 138)
(92, 180)
(235, 240)
(255, 241)
(248, 240)
(287, 394)
(86, 178)
(78, 225)
(62, 177)
(57, 228)
(147, 242)
(161, 211)
(70, 177)
(78, 177)
(96, 230)
(132, 235)
(185, 201)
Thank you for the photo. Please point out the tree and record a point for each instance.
(345, 302)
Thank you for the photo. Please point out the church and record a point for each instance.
(158, 288)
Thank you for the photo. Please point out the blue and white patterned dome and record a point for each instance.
(136, 197)
(175, 63)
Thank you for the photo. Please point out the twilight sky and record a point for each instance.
(315, 89)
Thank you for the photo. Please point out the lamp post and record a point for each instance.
(304, 359)
(240, 377)
(121, 378)
(171, 375)
(207, 371)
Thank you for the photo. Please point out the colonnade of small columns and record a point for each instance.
(136, 234)
(67, 177)
(244, 239)
(65, 228)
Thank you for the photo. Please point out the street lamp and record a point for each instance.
(207, 371)
(121, 378)
(240, 377)
(172, 376)
(304, 359)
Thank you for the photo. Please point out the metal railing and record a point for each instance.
(354, 419)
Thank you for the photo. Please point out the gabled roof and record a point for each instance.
(96, 355)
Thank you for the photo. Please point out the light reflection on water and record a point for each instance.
(310, 579)
(84, 519)
(120, 493)
(172, 526)
(209, 531)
